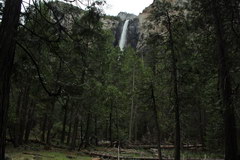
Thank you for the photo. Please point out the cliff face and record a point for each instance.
(132, 32)
(111, 24)
(124, 16)
(138, 28)
(141, 26)
(144, 22)
(144, 26)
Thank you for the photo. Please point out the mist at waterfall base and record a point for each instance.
(123, 38)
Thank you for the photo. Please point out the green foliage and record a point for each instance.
(95, 84)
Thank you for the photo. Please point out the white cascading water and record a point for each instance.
(123, 38)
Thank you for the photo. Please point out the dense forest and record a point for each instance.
(66, 83)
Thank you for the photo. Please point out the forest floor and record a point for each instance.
(33, 152)
(37, 152)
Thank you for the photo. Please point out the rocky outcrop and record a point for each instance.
(133, 33)
(133, 29)
(139, 28)
(124, 16)
(148, 26)
(111, 23)
(66, 13)
(144, 23)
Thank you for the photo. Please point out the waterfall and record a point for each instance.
(123, 39)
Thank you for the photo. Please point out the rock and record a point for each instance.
(133, 33)
(110, 24)
(124, 16)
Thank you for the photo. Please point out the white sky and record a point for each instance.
(130, 6)
(113, 7)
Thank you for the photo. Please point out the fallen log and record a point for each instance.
(38, 155)
(187, 146)
(107, 156)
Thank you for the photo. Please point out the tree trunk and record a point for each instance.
(225, 86)
(96, 130)
(202, 126)
(86, 135)
(65, 108)
(17, 124)
(135, 125)
(106, 129)
(132, 107)
(30, 121)
(50, 121)
(110, 123)
(117, 125)
(82, 136)
(23, 114)
(8, 33)
(155, 113)
(175, 91)
(44, 126)
(74, 133)
(70, 128)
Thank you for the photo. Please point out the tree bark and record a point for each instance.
(86, 135)
(65, 108)
(75, 131)
(70, 128)
(106, 129)
(17, 124)
(44, 126)
(23, 114)
(225, 86)
(50, 121)
(8, 34)
(82, 135)
(30, 122)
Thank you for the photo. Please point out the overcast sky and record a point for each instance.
(130, 6)
(113, 7)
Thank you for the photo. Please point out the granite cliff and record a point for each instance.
(138, 28)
